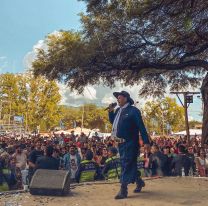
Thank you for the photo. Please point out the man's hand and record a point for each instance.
(147, 147)
(110, 108)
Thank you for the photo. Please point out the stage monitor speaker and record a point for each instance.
(50, 182)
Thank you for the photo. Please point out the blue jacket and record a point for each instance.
(129, 126)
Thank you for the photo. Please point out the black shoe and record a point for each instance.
(139, 187)
(121, 195)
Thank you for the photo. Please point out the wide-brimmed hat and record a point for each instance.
(125, 94)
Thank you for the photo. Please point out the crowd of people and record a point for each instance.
(95, 158)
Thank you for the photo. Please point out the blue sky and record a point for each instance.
(24, 22)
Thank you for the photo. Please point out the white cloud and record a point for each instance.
(40, 45)
(75, 99)
(90, 93)
(190, 118)
(107, 99)
(98, 94)
(31, 55)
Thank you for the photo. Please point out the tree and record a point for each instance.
(70, 115)
(163, 115)
(94, 117)
(9, 93)
(36, 99)
(43, 103)
(153, 43)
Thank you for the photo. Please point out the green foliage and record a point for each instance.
(93, 117)
(193, 124)
(152, 43)
(162, 114)
(36, 99)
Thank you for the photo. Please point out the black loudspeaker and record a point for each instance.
(50, 182)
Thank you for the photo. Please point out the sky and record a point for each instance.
(23, 27)
(24, 22)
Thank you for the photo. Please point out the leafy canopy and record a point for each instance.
(36, 99)
(155, 43)
(163, 115)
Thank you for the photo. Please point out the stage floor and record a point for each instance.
(158, 192)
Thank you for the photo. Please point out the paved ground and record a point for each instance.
(158, 192)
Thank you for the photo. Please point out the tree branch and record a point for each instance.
(170, 67)
(200, 50)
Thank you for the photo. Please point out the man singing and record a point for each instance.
(127, 124)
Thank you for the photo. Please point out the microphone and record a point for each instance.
(113, 105)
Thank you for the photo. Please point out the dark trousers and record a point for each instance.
(128, 155)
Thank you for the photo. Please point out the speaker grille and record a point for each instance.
(46, 182)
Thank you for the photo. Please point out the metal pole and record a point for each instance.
(82, 119)
(10, 110)
(163, 123)
(185, 105)
(26, 121)
(186, 117)
(1, 110)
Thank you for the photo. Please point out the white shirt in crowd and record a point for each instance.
(21, 160)
(73, 165)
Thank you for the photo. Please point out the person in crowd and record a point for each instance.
(158, 161)
(104, 156)
(181, 163)
(88, 170)
(15, 175)
(94, 150)
(4, 175)
(83, 153)
(20, 158)
(3, 153)
(173, 152)
(48, 161)
(192, 159)
(169, 157)
(14, 147)
(72, 161)
(112, 167)
(82, 138)
(202, 163)
(98, 156)
(63, 150)
(72, 137)
(10, 176)
(33, 156)
(147, 170)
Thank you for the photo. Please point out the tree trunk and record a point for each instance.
(204, 91)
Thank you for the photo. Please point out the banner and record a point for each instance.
(19, 119)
